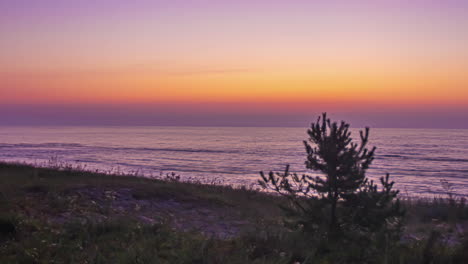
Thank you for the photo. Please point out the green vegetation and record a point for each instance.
(70, 216)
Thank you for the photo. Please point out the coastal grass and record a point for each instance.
(68, 215)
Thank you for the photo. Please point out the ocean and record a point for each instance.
(417, 159)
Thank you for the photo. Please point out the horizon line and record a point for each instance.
(224, 126)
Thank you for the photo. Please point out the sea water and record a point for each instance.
(417, 159)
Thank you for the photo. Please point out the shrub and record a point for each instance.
(8, 226)
(342, 202)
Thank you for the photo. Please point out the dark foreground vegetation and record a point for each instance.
(68, 215)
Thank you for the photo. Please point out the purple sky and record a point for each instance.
(234, 63)
(167, 115)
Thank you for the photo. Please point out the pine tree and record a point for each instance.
(341, 197)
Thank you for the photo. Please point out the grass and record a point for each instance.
(67, 215)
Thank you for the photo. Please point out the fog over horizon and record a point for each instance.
(175, 115)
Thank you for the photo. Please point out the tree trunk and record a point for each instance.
(333, 214)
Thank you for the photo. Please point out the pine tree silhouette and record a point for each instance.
(341, 197)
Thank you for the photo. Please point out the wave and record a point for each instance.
(438, 159)
(445, 159)
(76, 145)
(42, 145)
(183, 150)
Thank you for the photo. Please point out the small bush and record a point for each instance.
(343, 206)
(8, 226)
(37, 188)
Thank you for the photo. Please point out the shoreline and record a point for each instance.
(56, 164)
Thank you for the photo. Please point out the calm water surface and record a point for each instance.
(417, 159)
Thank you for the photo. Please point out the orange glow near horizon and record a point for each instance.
(291, 56)
(262, 86)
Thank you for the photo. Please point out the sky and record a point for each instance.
(234, 63)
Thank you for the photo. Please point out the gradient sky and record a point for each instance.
(253, 63)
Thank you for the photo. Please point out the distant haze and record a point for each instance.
(234, 63)
(177, 115)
